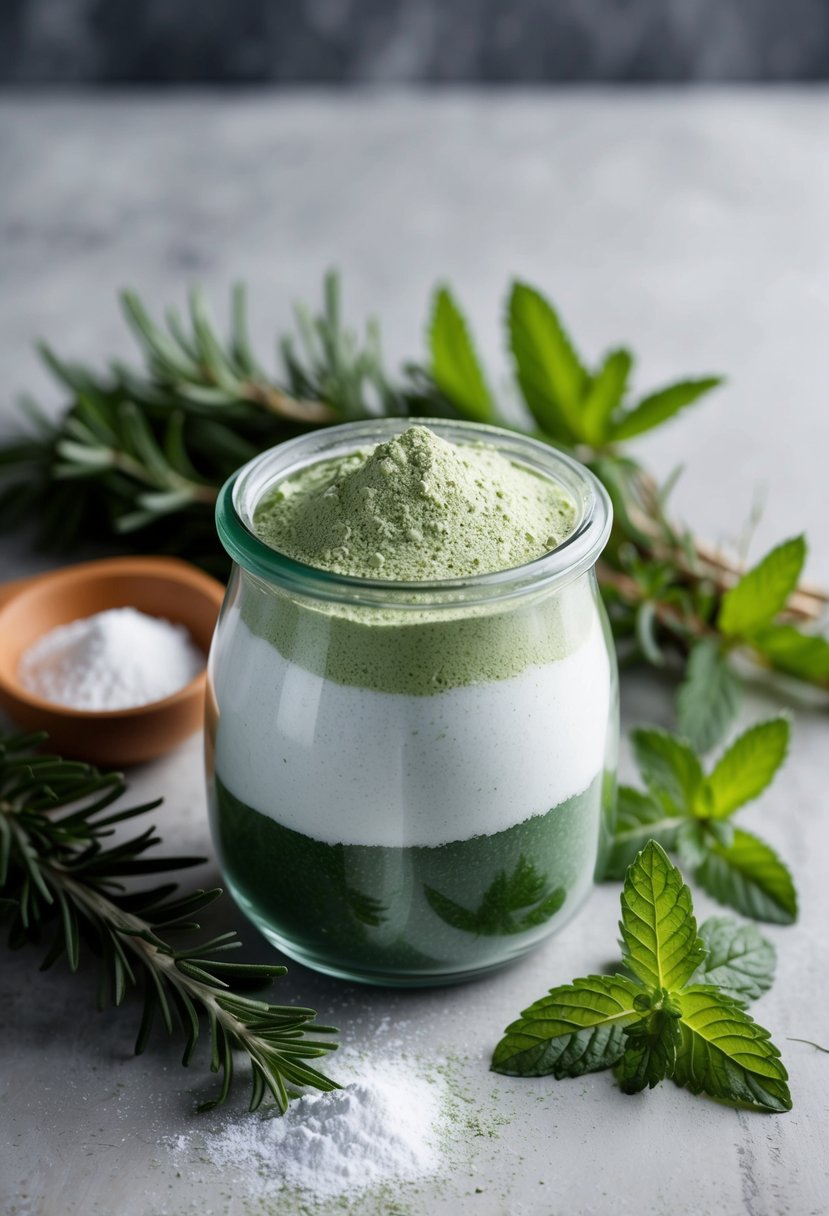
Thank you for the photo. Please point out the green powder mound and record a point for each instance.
(416, 509)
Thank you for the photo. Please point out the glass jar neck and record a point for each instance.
(242, 493)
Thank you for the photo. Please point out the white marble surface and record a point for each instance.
(691, 225)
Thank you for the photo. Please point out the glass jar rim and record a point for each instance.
(243, 491)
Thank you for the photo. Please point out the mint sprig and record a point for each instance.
(455, 367)
(709, 696)
(691, 812)
(762, 592)
(571, 404)
(668, 1017)
(739, 960)
(748, 619)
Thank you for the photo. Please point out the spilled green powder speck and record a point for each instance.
(416, 509)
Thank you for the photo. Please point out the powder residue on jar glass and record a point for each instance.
(416, 509)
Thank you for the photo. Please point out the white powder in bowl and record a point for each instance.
(117, 659)
(380, 1128)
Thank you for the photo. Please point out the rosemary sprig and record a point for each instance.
(62, 875)
(137, 458)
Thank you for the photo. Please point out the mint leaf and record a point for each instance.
(748, 876)
(639, 818)
(650, 1051)
(663, 1021)
(803, 655)
(709, 696)
(724, 1053)
(749, 765)
(455, 367)
(659, 933)
(693, 840)
(762, 592)
(577, 1028)
(740, 961)
(550, 373)
(660, 406)
(512, 903)
(670, 768)
(605, 396)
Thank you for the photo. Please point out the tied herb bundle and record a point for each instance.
(677, 1011)
(61, 878)
(137, 458)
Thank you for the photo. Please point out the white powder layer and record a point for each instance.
(117, 659)
(355, 766)
(377, 1129)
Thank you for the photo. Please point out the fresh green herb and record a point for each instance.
(739, 960)
(690, 812)
(454, 364)
(572, 404)
(676, 1013)
(60, 874)
(709, 696)
(763, 591)
(138, 456)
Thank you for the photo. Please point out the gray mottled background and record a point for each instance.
(290, 41)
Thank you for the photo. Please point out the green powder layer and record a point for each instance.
(409, 915)
(420, 653)
(416, 509)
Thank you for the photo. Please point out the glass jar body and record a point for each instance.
(409, 784)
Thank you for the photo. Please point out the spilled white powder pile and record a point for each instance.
(117, 659)
(384, 1126)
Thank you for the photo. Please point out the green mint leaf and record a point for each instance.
(660, 406)
(455, 367)
(512, 903)
(692, 843)
(639, 818)
(762, 592)
(551, 376)
(605, 396)
(577, 1028)
(803, 655)
(747, 875)
(659, 933)
(740, 961)
(669, 767)
(748, 766)
(650, 1051)
(724, 1053)
(709, 696)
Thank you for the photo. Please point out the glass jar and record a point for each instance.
(407, 781)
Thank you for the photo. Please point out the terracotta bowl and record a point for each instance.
(160, 586)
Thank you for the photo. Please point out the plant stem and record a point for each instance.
(311, 413)
(806, 604)
(158, 958)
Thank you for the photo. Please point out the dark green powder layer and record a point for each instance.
(414, 915)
